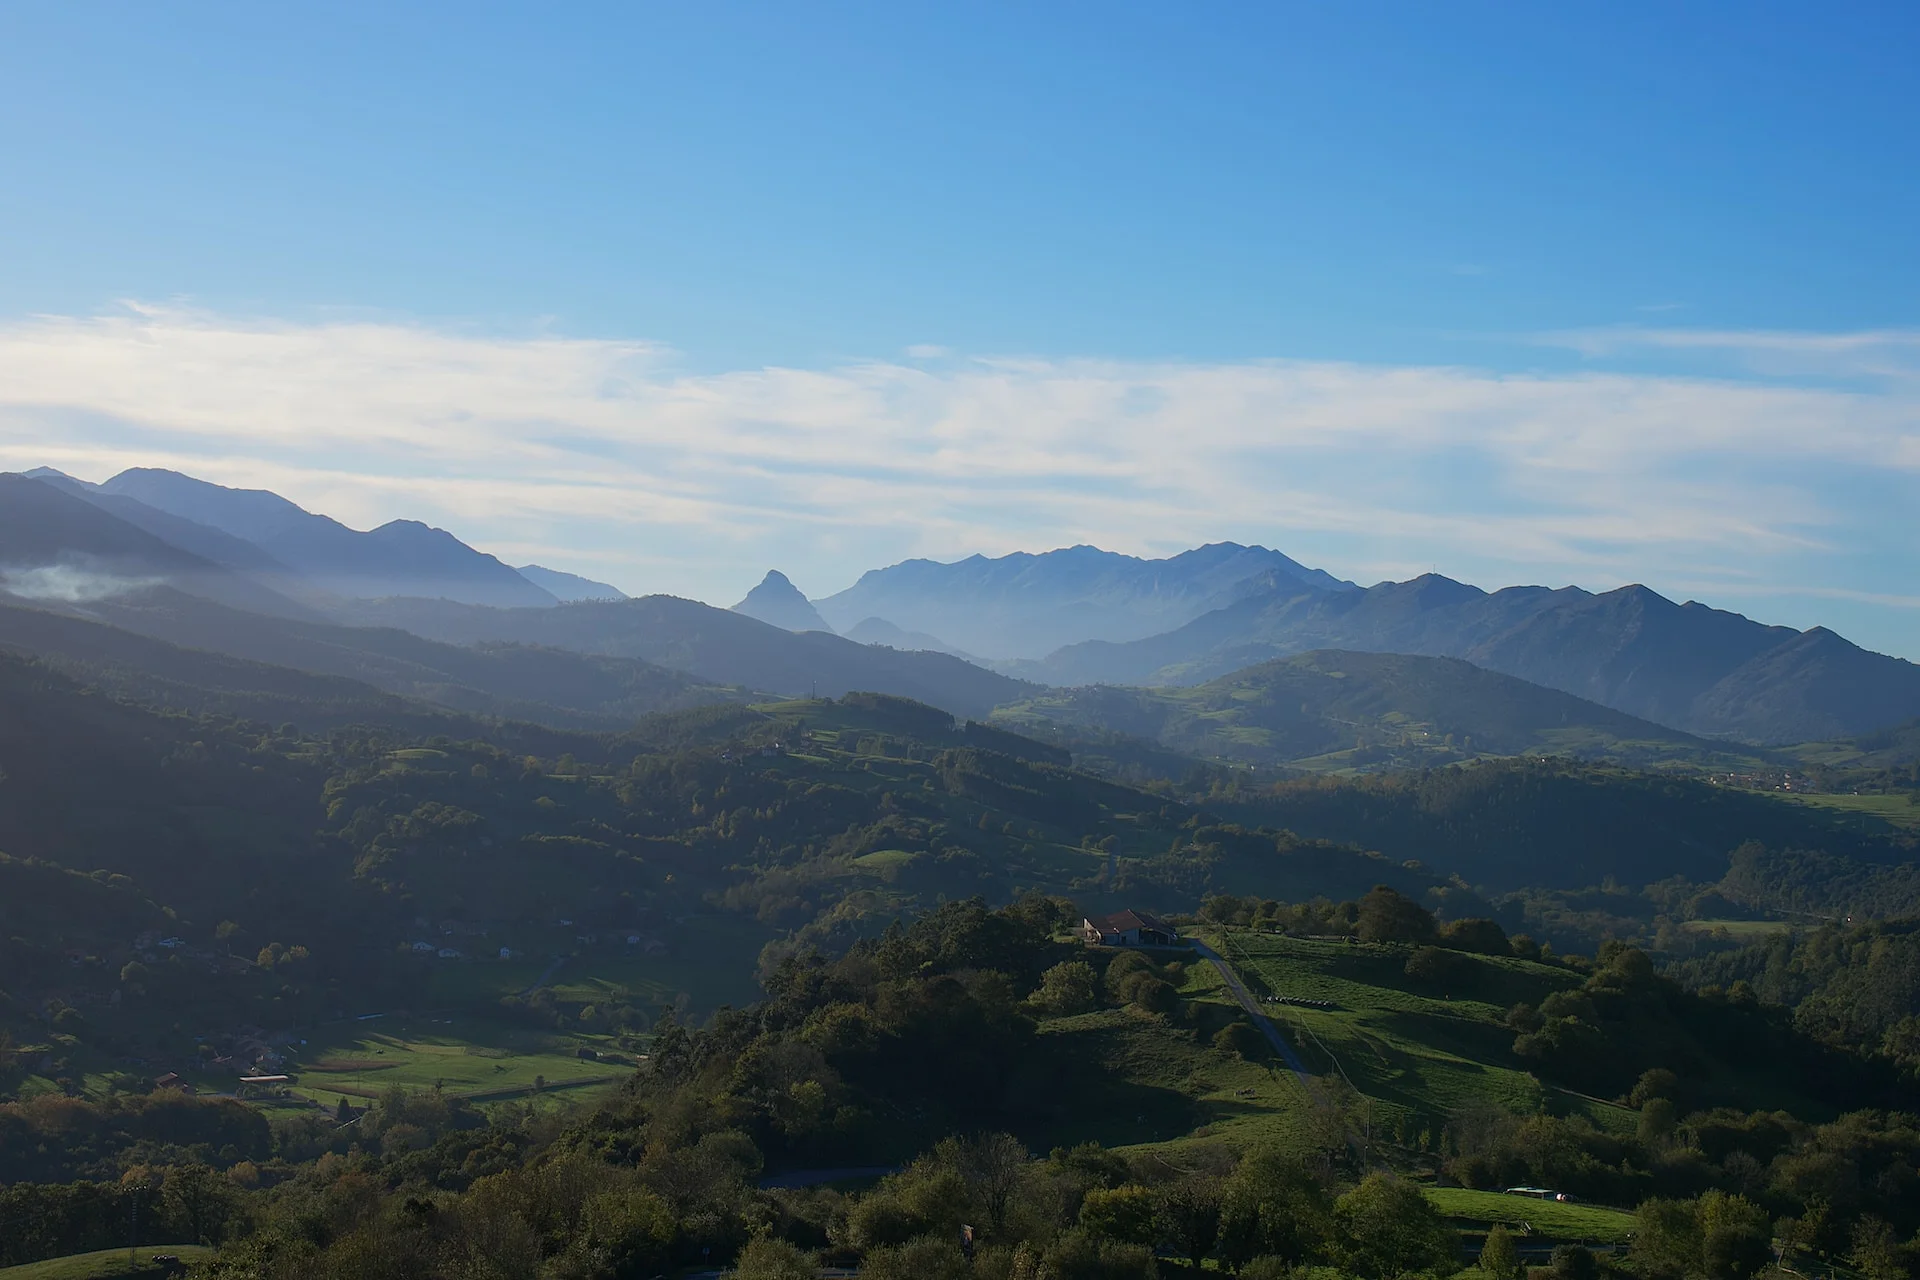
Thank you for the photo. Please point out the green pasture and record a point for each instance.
(1896, 810)
(1416, 1054)
(467, 1057)
(108, 1264)
(1147, 1084)
(1545, 1217)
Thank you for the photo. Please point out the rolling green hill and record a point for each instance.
(661, 861)
(1510, 824)
(169, 645)
(1336, 710)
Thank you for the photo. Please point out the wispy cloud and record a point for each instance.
(1872, 353)
(605, 457)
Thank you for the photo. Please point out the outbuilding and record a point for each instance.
(1129, 928)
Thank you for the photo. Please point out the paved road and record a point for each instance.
(1260, 1018)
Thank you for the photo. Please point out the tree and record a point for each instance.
(1124, 1214)
(1387, 915)
(766, 1258)
(629, 1230)
(1655, 1083)
(1156, 996)
(1876, 1250)
(1388, 1228)
(1657, 1120)
(1437, 966)
(198, 1202)
(1736, 1236)
(1240, 1040)
(1575, 1262)
(1666, 1238)
(922, 1258)
(1721, 1236)
(1498, 1256)
(1069, 987)
(343, 1114)
(1485, 937)
(991, 1164)
(1272, 1206)
(1081, 1255)
(1189, 1215)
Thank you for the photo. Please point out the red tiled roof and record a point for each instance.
(1122, 921)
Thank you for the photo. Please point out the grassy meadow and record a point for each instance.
(1412, 1055)
(467, 1057)
(1895, 810)
(1545, 1217)
(109, 1264)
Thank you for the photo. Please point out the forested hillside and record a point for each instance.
(1335, 710)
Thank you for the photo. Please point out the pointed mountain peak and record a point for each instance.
(777, 602)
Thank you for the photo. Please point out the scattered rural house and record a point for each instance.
(508, 953)
(423, 947)
(448, 953)
(173, 944)
(264, 1086)
(1129, 929)
(171, 1080)
(586, 1055)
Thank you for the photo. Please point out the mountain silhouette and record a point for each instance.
(400, 558)
(777, 602)
(1687, 666)
(1026, 606)
(568, 587)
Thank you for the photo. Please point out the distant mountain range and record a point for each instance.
(1026, 606)
(1701, 670)
(1073, 617)
(67, 547)
(56, 546)
(299, 552)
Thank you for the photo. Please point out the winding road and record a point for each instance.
(1260, 1018)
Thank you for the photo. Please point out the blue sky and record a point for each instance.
(1523, 293)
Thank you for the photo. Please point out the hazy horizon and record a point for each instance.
(669, 299)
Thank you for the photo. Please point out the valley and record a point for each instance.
(454, 888)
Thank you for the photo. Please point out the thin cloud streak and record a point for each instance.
(659, 479)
